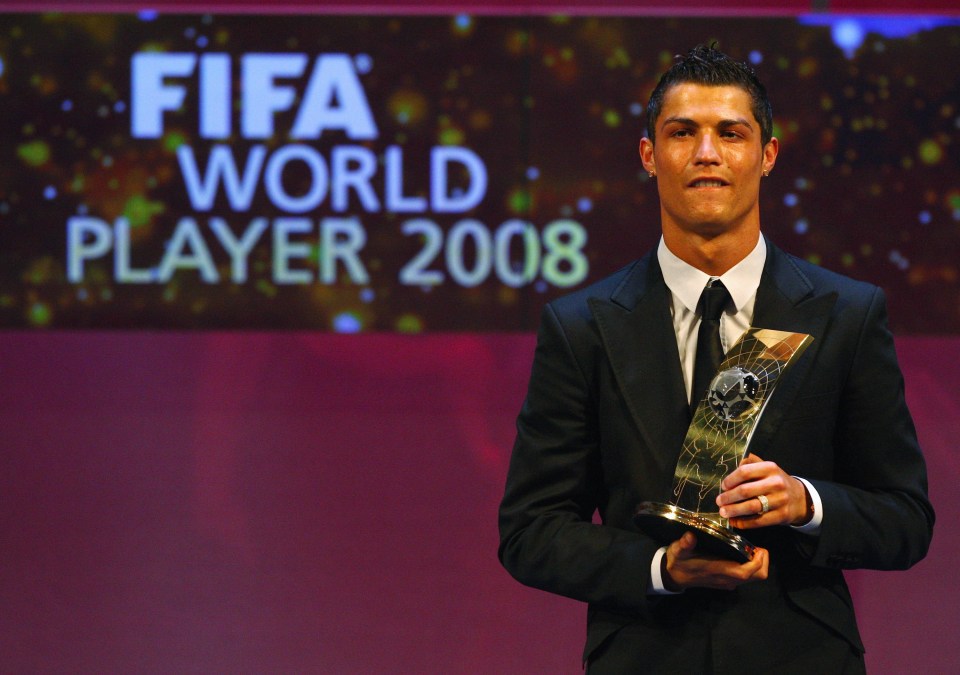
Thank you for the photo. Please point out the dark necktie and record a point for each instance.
(709, 351)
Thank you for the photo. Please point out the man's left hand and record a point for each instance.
(755, 484)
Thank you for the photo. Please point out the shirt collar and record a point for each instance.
(686, 282)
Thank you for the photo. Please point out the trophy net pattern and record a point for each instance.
(717, 439)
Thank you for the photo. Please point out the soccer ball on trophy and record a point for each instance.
(733, 394)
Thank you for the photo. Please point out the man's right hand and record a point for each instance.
(685, 568)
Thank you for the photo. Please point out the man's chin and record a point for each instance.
(709, 229)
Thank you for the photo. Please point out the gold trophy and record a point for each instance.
(717, 441)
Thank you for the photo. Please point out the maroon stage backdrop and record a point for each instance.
(264, 502)
(186, 488)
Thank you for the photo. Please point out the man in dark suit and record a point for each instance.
(834, 480)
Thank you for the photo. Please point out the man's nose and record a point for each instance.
(707, 152)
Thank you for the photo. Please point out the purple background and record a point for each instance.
(298, 502)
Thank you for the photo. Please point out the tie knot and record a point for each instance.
(714, 298)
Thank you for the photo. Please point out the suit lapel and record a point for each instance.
(786, 300)
(638, 336)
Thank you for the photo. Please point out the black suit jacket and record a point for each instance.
(601, 429)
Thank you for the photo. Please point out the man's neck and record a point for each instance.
(711, 255)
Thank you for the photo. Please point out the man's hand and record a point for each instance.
(786, 496)
(685, 568)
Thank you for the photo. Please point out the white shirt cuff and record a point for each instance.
(656, 581)
(813, 527)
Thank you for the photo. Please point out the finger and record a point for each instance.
(748, 508)
(683, 548)
(746, 472)
(756, 499)
(744, 492)
(751, 522)
(749, 514)
(762, 557)
(750, 472)
(687, 543)
(750, 459)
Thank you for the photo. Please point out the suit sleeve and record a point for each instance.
(548, 539)
(876, 511)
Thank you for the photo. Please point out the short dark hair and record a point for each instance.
(705, 64)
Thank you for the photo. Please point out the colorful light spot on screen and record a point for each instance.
(452, 136)
(516, 42)
(807, 67)
(953, 203)
(39, 314)
(930, 152)
(140, 211)
(848, 35)
(462, 24)
(347, 322)
(618, 59)
(34, 153)
(173, 140)
(363, 63)
(264, 287)
(480, 120)
(898, 259)
(520, 201)
(407, 107)
(409, 323)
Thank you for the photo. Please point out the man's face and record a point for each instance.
(708, 160)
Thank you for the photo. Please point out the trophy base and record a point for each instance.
(667, 523)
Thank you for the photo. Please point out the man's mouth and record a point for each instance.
(708, 183)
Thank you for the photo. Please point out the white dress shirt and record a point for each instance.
(686, 283)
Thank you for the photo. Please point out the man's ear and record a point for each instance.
(770, 152)
(646, 156)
